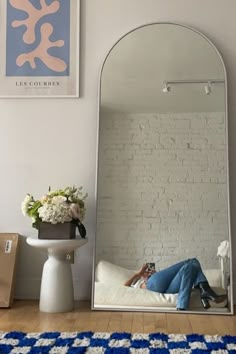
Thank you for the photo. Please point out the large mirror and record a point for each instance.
(162, 175)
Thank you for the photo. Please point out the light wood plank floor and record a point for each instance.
(25, 316)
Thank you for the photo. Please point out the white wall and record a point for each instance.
(53, 141)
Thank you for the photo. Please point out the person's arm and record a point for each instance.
(134, 277)
(137, 275)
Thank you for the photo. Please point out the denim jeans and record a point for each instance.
(178, 278)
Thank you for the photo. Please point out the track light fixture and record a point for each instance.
(207, 87)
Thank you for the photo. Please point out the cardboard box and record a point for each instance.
(8, 253)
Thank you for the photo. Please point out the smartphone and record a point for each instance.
(151, 266)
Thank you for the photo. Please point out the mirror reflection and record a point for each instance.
(163, 235)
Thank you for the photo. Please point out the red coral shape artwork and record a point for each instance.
(39, 37)
(34, 15)
(41, 52)
(40, 44)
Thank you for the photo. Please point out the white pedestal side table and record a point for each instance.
(57, 292)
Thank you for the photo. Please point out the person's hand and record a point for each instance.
(143, 272)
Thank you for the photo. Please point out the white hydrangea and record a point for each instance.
(55, 213)
(26, 203)
(59, 206)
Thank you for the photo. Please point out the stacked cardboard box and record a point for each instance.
(8, 253)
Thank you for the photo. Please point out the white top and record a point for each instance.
(138, 283)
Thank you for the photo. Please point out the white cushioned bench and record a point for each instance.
(110, 292)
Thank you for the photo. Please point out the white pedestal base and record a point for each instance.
(57, 293)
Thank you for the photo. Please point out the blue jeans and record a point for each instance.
(178, 278)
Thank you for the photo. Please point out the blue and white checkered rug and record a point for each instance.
(117, 343)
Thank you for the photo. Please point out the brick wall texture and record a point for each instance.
(162, 188)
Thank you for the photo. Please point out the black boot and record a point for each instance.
(207, 293)
(205, 303)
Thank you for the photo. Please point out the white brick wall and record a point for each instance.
(162, 188)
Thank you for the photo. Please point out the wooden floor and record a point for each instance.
(25, 316)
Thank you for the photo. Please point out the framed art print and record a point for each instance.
(39, 41)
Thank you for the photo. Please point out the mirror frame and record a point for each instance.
(160, 310)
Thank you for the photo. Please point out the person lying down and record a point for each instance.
(179, 278)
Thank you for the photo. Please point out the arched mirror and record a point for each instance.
(162, 176)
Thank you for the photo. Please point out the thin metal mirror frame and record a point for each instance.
(153, 309)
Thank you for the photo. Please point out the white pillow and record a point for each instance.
(107, 272)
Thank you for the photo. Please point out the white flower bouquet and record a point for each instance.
(59, 206)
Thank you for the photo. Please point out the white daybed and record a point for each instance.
(109, 291)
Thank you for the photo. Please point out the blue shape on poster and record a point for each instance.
(50, 34)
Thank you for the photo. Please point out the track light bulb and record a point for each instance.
(208, 88)
(166, 88)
